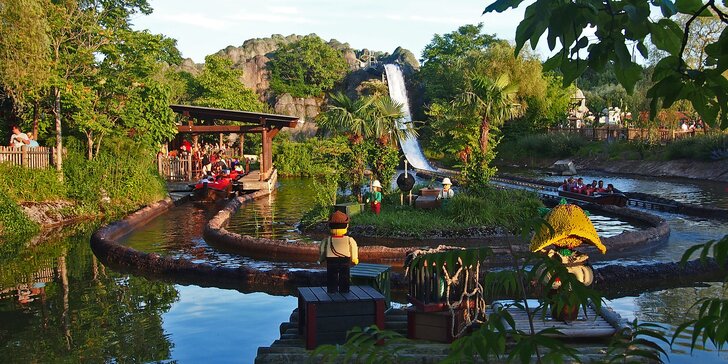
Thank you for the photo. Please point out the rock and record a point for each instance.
(305, 108)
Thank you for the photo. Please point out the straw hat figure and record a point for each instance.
(447, 191)
(572, 228)
(339, 251)
(375, 197)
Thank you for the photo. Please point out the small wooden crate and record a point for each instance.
(376, 276)
(427, 202)
(349, 208)
(433, 326)
(324, 318)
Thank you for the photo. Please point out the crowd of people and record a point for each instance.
(209, 161)
(19, 139)
(578, 186)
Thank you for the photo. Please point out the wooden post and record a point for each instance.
(159, 165)
(24, 156)
(262, 161)
(189, 167)
(241, 140)
(219, 144)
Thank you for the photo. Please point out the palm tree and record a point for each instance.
(493, 101)
(347, 115)
(386, 120)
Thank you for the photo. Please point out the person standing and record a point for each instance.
(447, 192)
(339, 251)
(375, 197)
(18, 139)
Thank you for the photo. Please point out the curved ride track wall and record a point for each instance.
(613, 280)
(105, 246)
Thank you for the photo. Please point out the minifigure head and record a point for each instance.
(446, 184)
(338, 223)
(376, 186)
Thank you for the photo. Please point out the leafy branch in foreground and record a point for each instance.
(712, 321)
(619, 24)
(631, 344)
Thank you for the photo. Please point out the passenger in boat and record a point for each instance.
(591, 188)
(600, 187)
(579, 187)
(446, 192)
(375, 197)
(610, 189)
(339, 251)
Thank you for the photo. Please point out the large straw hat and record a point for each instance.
(571, 228)
(376, 183)
(446, 181)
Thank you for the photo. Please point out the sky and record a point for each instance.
(205, 27)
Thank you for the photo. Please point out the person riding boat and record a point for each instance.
(610, 189)
(579, 186)
(600, 187)
(591, 188)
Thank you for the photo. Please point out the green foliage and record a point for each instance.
(308, 67)
(15, 226)
(616, 24)
(440, 73)
(219, 86)
(312, 157)
(31, 185)
(367, 345)
(121, 178)
(712, 321)
(638, 342)
(545, 145)
(384, 160)
(704, 147)
(489, 208)
(477, 170)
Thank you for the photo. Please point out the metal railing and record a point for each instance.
(619, 133)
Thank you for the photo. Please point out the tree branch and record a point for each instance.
(687, 33)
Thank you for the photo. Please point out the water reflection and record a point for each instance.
(670, 308)
(277, 216)
(61, 305)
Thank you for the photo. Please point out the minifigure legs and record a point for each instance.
(337, 274)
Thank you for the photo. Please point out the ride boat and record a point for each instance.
(615, 198)
(221, 186)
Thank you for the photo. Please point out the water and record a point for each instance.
(704, 193)
(398, 92)
(59, 304)
(277, 216)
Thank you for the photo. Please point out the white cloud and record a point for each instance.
(438, 19)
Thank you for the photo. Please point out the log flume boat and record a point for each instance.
(616, 199)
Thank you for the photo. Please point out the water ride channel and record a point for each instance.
(58, 301)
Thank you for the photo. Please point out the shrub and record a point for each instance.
(35, 185)
(697, 148)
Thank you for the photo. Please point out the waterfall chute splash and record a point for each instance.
(410, 145)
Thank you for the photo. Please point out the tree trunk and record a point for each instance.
(36, 117)
(59, 141)
(89, 145)
(484, 130)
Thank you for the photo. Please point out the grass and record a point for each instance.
(489, 208)
(120, 179)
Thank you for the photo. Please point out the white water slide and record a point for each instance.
(410, 145)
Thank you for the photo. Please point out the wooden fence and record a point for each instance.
(35, 157)
(607, 133)
(175, 168)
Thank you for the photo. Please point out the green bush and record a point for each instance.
(697, 148)
(551, 145)
(122, 177)
(14, 224)
(34, 185)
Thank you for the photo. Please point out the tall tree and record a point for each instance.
(617, 24)
(219, 86)
(494, 101)
(308, 67)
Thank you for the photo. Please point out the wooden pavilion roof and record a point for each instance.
(263, 120)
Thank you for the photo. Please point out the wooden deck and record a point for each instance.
(289, 348)
(252, 182)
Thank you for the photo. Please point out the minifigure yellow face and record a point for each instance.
(446, 187)
(338, 232)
